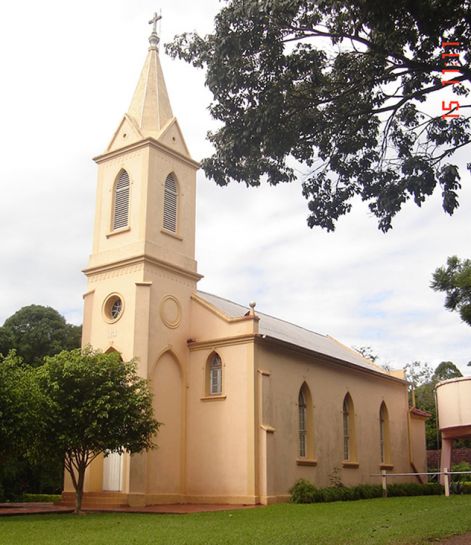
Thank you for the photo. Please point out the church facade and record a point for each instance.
(248, 403)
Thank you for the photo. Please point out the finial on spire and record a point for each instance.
(154, 37)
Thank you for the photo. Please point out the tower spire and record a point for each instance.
(150, 114)
(150, 106)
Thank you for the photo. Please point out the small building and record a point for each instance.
(248, 403)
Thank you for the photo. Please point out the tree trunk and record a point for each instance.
(79, 489)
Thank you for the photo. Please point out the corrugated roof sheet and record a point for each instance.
(291, 333)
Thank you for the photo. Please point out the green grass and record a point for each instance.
(411, 521)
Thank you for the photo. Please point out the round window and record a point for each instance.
(113, 307)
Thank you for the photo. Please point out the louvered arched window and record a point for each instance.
(170, 203)
(121, 201)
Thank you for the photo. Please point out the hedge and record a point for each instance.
(305, 492)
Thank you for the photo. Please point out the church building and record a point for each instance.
(248, 403)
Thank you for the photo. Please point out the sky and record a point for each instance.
(68, 72)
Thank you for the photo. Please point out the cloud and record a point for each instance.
(70, 79)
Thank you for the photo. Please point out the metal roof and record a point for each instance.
(293, 334)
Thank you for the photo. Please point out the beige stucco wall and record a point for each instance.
(418, 447)
(283, 373)
(220, 440)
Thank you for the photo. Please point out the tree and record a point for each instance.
(19, 408)
(455, 281)
(93, 403)
(367, 352)
(33, 332)
(418, 373)
(446, 370)
(337, 89)
(36, 331)
(5, 341)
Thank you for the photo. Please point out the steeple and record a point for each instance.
(150, 106)
(150, 114)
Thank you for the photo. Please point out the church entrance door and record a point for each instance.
(112, 468)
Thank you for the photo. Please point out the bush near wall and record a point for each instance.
(305, 492)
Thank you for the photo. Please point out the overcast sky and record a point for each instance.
(68, 72)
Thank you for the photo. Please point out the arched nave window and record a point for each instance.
(305, 423)
(349, 440)
(121, 201)
(170, 203)
(214, 374)
(384, 437)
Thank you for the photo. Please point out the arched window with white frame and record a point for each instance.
(349, 439)
(121, 201)
(305, 424)
(302, 417)
(384, 437)
(214, 375)
(170, 203)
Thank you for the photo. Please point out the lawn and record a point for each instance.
(411, 521)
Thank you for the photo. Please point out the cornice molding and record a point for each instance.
(141, 259)
(223, 341)
(146, 142)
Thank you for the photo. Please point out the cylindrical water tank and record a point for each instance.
(454, 403)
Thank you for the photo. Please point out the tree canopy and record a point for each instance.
(93, 403)
(19, 414)
(446, 370)
(19, 404)
(36, 331)
(26, 337)
(336, 91)
(455, 280)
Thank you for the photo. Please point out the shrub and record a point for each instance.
(466, 487)
(334, 493)
(303, 492)
(367, 491)
(41, 497)
(462, 466)
(415, 489)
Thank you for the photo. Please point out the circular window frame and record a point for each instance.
(108, 304)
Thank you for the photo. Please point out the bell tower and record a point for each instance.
(142, 272)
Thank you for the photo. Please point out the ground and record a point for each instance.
(464, 539)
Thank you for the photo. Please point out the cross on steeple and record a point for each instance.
(154, 37)
(154, 20)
